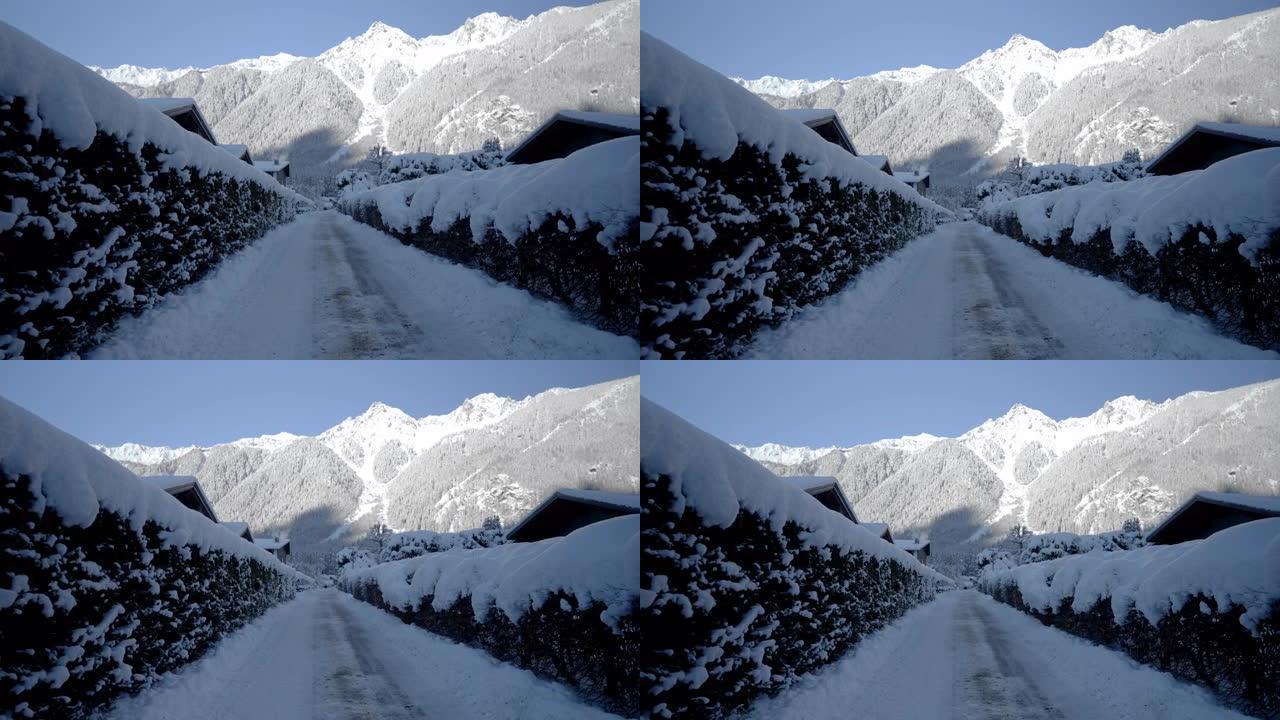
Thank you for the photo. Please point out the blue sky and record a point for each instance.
(163, 33)
(844, 38)
(846, 403)
(202, 403)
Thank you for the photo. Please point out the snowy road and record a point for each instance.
(964, 656)
(327, 656)
(325, 286)
(965, 291)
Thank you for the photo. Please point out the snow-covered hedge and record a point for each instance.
(108, 582)
(748, 214)
(1207, 241)
(1032, 179)
(1050, 546)
(564, 229)
(563, 607)
(1206, 610)
(748, 581)
(387, 169)
(106, 204)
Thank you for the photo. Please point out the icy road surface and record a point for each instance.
(326, 656)
(325, 286)
(965, 656)
(965, 291)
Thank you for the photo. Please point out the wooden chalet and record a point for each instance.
(239, 528)
(277, 169)
(276, 545)
(1208, 512)
(186, 490)
(879, 162)
(1206, 143)
(240, 152)
(918, 549)
(918, 181)
(185, 112)
(880, 530)
(569, 131)
(568, 510)
(826, 123)
(826, 491)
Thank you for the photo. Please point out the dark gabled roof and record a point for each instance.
(879, 162)
(621, 503)
(1267, 505)
(822, 484)
(911, 544)
(239, 151)
(184, 484)
(239, 528)
(817, 118)
(176, 107)
(880, 530)
(616, 123)
(1260, 134)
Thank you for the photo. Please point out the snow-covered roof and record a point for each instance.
(619, 502)
(237, 150)
(1261, 134)
(1261, 504)
(910, 544)
(716, 481)
(271, 543)
(180, 107)
(73, 103)
(241, 529)
(169, 105)
(810, 483)
(170, 483)
(876, 528)
(616, 122)
(76, 482)
(271, 165)
(811, 115)
(879, 162)
(911, 176)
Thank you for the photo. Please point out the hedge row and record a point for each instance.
(733, 246)
(1200, 643)
(561, 640)
(1210, 278)
(94, 612)
(557, 261)
(92, 235)
(732, 613)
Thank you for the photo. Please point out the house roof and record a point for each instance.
(1265, 504)
(271, 543)
(239, 528)
(911, 176)
(271, 165)
(879, 162)
(237, 150)
(1261, 134)
(175, 106)
(626, 503)
(877, 529)
(620, 123)
(815, 484)
(816, 117)
(910, 544)
(175, 484)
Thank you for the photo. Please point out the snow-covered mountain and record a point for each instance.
(489, 456)
(1131, 88)
(494, 76)
(1130, 458)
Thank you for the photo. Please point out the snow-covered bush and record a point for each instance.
(563, 607)
(1206, 241)
(564, 229)
(387, 169)
(1050, 546)
(106, 204)
(1206, 610)
(749, 582)
(1029, 180)
(107, 582)
(748, 214)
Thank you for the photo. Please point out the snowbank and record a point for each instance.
(1238, 566)
(716, 481)
(74, 103)
(716, 114)
(76, 482)
(594, 185)
(596, 563)
(1239, 195)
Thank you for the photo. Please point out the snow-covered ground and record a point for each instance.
(965, 655)
(325, 286)
(325, 655)
(966, 291)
